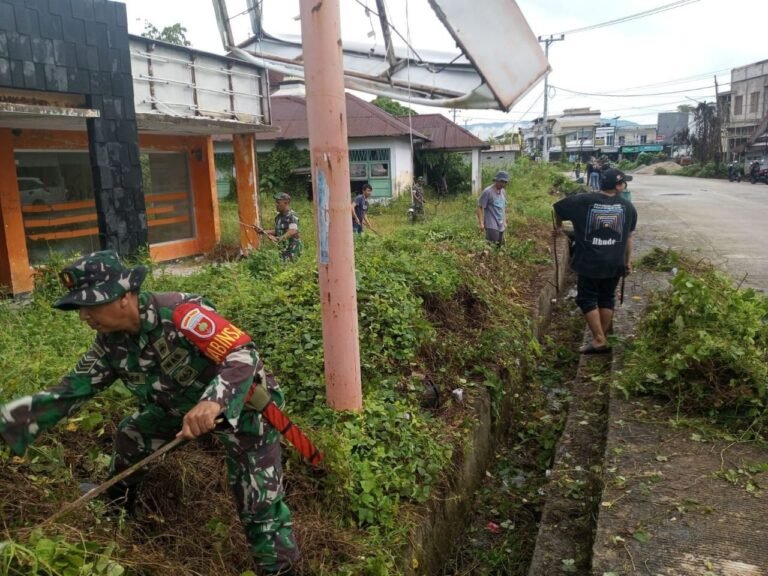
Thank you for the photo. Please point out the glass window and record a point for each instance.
(380, 170)
(738, 105)
(754, 98)
(643, 139)
(57, 203)
(358, 171)
(167, 196)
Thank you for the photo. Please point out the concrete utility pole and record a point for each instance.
(327, 116)
(547, 42)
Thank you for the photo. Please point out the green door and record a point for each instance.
(371, 165)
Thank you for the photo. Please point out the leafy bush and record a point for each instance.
(660, 260)
(704, 345)
(45, 556)
(708, 170)
(644, 158)
(660, 171)
(275, 169)
(413, 283)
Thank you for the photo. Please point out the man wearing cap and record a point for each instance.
(603, 223)
(286, 231)
(492, 209)
(188, 367)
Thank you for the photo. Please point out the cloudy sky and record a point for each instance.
(647, 65)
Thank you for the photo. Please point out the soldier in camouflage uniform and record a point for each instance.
(417, 195)
(286, 231)
(188, 366)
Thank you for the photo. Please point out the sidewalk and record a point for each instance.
(675, 503)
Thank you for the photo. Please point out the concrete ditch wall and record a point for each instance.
(432, 541)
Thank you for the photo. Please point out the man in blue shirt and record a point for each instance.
(360, 210)
(492, 209)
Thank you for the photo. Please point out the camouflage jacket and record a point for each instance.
(283, 223)
(160, 365)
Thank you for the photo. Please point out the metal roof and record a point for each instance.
(476, 77)
(289, 113)
(443, 134)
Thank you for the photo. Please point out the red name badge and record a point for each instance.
(214, 335)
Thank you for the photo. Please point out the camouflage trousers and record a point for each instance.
(254, 472)
(290, 250)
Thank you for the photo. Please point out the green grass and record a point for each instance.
(434, 301)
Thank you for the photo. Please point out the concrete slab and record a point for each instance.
(675, 503)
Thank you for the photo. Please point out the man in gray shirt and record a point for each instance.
(492, 209)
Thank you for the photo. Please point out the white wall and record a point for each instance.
(401, 159)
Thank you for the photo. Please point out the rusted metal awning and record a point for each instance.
(499, 61)
(29, 116)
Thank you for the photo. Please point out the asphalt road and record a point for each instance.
(719, 221)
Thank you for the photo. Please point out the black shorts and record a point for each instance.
(594, 293)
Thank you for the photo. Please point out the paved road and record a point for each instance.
(723, 222)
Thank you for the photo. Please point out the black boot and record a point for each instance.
(124, 497)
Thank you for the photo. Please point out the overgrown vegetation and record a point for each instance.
(707, 170)
(277, 169)
(439, 310)
(704, 346)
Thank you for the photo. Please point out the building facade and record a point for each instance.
(748, 126)
(105, 138)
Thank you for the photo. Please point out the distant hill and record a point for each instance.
(485, 130)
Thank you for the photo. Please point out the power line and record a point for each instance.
(601, 95)
(646, 13)
(673, 81)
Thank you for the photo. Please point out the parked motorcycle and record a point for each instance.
(757, 173)
(734, 173)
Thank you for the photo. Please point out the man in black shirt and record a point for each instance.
(603, 223)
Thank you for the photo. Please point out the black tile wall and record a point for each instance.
(81, 47)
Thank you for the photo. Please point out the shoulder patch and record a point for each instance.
(89, 359)
(212, 334)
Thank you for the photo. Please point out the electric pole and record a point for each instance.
(547, 42)
(327, 116)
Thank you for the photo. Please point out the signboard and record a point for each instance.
(642, 148)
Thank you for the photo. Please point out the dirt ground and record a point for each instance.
(670, 167)
(677, 501)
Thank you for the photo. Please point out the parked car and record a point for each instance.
(35, 192)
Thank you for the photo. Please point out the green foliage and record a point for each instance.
(449, 172)
(275, 169)
(644, 158)
(660, 171)
(392, 107)
(54, 556)
(414, 282)
(175, 33)
(704, 345)
(708, 170)
(661, 260)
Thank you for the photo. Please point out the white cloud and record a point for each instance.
(697, 39)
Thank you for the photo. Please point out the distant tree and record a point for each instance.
(506, 138)
(705, 140)
(174, 34)
(392, 107)
(686, 108)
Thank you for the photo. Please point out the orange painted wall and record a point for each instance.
(15, 271)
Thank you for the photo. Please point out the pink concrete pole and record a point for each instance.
(327, 116)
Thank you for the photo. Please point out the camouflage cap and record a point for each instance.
(97, 278)
(282, 196)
